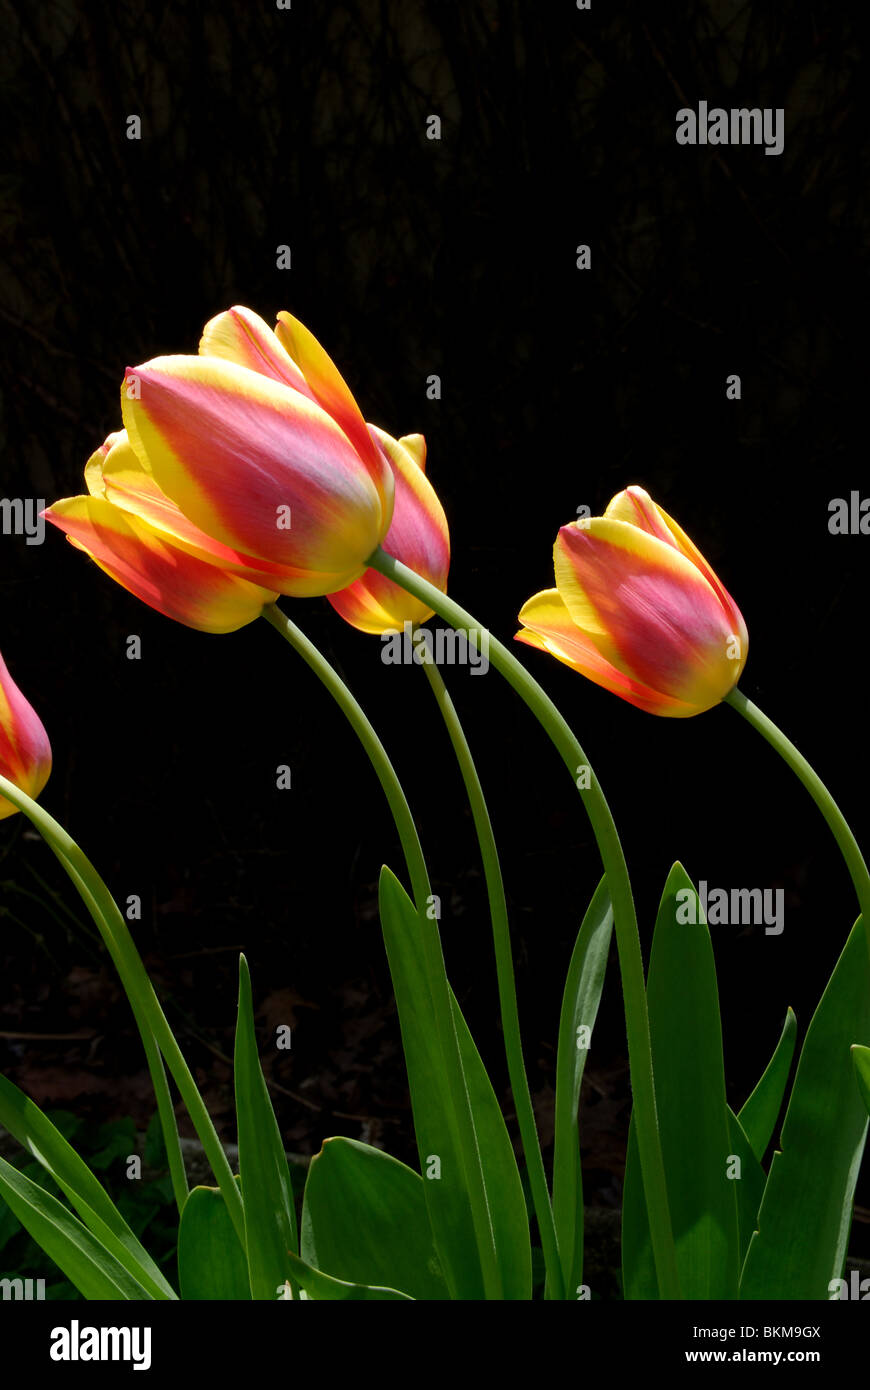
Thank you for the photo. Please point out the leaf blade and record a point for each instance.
(686, 1036)
(805, 1214)
(759, 1113)
(211, 1263)
(582, 994)
(267, 1189)
(88, 1265)
(365, 1221)
(447, 1194)
(25, 1121)
(323, 1287)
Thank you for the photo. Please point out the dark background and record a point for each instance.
(307, 127)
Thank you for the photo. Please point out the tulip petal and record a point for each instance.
(241, 336)
(25, 752)
(418, 536)
(634, 505)
(96, 463)
(149, 565)
(329, 388)
(258, 467)
(648, 610)
(415, 445)
(550, 627)
(115, 472)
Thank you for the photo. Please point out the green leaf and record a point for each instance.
(267, 1189)
(39, 1136)
(444, 1181)
(364, 1220)
(579, 1009)
(9, 1224)
(761, 1111)
(211, 1262)
(861, 1062)
(320, 1286)
(77, 1253)
(686, 1036)
(749, 1186)
(806, 1212)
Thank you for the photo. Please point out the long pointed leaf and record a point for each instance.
(444, 1179)
(36, 1133)
(686, 1037)
(861, 1061)
(760, 1111)
(749, 1186)
(580, 1002)
(806, 1213)
(267, 1190)
(87, 1264)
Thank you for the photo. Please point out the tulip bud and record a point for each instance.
(25, 753)
(241, 474)
(638, 610)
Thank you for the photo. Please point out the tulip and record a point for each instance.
(418, 534)
(240, 474)
(638, 610)
(25, 753)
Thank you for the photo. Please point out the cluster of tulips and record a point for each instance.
(247, 473)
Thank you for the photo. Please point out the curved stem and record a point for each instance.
(837, 822)
(504, 965)
(625, 919)
(377, 754)
(463, 1119)
(153, 1056)
(138, 988)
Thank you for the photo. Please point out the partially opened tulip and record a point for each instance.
(25, 753)
(638, 610)
(418, 534)
(240, 474)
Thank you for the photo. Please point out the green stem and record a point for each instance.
(463, 1120)
(153, 1057)
(837, 822)
(625, 919)
(138, 987)
(377, 754)
(505, 973)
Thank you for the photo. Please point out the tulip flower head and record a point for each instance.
(638, 610)
(417, 534)
(25, 753)
(240, 474)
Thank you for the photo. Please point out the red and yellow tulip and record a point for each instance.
(638, 610)
(25, 752)
(418, 536)
(243, 473)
